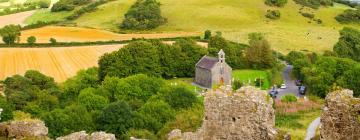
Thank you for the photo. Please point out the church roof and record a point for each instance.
(207, 62)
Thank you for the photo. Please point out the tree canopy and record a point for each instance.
(144, 14)
(10, 33)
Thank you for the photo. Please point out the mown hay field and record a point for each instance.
(58, 62)
(77, 34)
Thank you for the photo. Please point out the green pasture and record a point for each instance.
(249, 76)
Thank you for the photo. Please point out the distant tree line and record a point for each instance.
(349, 16)
(68, 5)
(278, 3)
(153, 58)
(144, 14)
(315, 4)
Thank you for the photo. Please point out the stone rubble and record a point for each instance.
(244, 114)
(340, 119)
(82, 135)
(24, 129)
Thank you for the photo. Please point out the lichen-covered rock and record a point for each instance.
(82, 135)
(244, 114)
(133, 138)
(26, 128)
(174, 134)
(102, 136)
(339, 118)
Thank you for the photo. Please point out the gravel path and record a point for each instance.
(310, 132)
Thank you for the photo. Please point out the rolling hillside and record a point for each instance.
(235, 18)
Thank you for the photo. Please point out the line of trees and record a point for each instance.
(144, 14)
(153, 58)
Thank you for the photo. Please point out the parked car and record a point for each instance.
(283, 86)
(302, 90)
(273, 93)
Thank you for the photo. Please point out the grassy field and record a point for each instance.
(246, 75)
(108, 16)
(46, 15)
(295, 117)
(60, 63)
(236, 19)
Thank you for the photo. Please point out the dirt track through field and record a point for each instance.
(17, 18)
(77, 34)
(60, 63)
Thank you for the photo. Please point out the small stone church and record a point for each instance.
(210, 71)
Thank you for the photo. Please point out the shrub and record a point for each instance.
(207, 34)
(63, 5)
(289, 98)
(308, 15)
(31, 40)
(86, 9)
(273, 14)
(53, 41)
(315, 4)
(68, 5)
(144, 14)
(349, 16)
(278, 3)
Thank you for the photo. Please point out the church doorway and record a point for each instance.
(221, 81)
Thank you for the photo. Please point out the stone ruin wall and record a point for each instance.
(340, 118)
(244, 114)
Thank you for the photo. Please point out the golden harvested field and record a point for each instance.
(76, 34)
(60, 62)
(17, 18)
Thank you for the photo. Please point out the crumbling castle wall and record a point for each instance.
(244, 114)
(340, 118)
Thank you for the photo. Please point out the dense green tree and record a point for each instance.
(234, 52)
(31, 40)
(73, 86)
(8, 108)
(158, 110)
(327, 71)
(259, 54)
(351, 80)
(293, 56)
(40, 80)
(348, 45)
(144, 14)
(53, 41)
(71, 119)
(152, 58)
(207, 34)
(178, 97)
(135, 58)
(10, 33)
(90, 100)
(117, 118)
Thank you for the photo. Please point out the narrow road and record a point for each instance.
(311, 131)
(290, 83)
